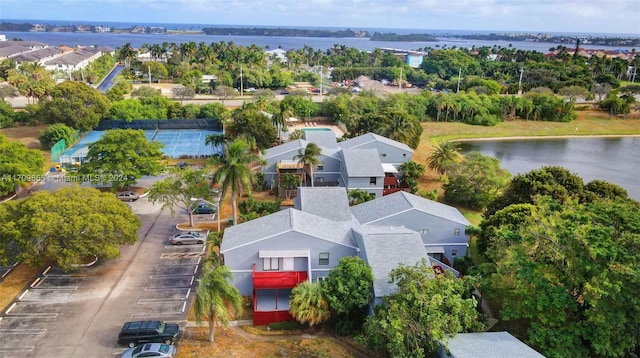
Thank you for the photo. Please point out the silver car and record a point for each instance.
(128, 196)
(160, 350)
(187, 238)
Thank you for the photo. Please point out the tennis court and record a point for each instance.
(178, 143)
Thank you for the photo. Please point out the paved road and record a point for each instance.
(80, 314)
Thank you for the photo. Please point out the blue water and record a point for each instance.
(612, 159)
(272, 42)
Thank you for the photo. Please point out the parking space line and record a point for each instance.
(153, 314)
(144, 301)
(184, 306)
(17, 331)
(16, 349)
(36, 282)
(22, 295)
(44, 273)
(10, 308)
(35, 315)
(74, 276)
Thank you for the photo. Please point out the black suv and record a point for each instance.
(134, 333)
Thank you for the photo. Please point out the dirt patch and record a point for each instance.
(229, 343)
(15, 282)
(28, 135)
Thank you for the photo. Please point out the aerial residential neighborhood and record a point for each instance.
(196, 190)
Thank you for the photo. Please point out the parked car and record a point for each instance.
(204, 208)
(159, 350)
(128, 196)
(187, 238)
(136, 332)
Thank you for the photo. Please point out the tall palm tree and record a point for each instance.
(442, 152)
(309, 159)
(308, 305)
(216, 140)
(214, 297)
(234, 172)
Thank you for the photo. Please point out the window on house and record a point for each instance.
(270, 264)
(456, 232)
(323, 258)
(320, 166)
(404, 155)
(372, 181)
(424, 231)
(383, 155)
(454, 252)
(321, 279)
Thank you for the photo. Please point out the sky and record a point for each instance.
(583, 16)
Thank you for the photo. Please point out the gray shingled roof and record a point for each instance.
(12, 50)
(74, 57)
(325, 139)
(371, 137)
(287, 147)
(389, 205)
(489, 345)
(282, 222)
(362, 163)
(37, 55)
(329, 202)
(28, 44)
(386, 247)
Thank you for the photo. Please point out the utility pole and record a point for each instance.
(321, 79)
(520, 81)
(149, 70)
(459, 77)
(241, 85)
(400, 81)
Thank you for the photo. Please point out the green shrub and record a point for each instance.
(287, 326)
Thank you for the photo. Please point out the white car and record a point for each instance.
(187, 238)
(159, 350)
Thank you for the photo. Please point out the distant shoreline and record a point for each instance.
(538, 137)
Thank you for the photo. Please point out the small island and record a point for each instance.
(391, 36)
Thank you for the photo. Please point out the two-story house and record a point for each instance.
(270, 255)
(368, 162)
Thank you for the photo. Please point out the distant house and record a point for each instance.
(487, 345)
(368, 162)
(78, 59)
(271, 255)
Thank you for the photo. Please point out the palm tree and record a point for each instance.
(234, 173)
(309, 158)
(214, 297)
(307, 305)
(216, 140)
(442, 152)
(358, 196)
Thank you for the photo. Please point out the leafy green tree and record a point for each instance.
(288, 182)
(64, 227)
(573, 92)
(234, 172)
(252, 126)
(570, 272)
(118, 90)
(308, 305)
(7, 115)
(121, 157)
(348, 286)
(55, 133)
(146, 91)
(296, 134)
(301, 106)
(76, 105)
(215, 297)
(214, 111)
(309, 159)
(177, 190)
(425, 311)
(252, 209)
(556, 182)
(358, 196)
(8, 91)
(18, 165)
(475, 181)
(411, 172)
(442, 153)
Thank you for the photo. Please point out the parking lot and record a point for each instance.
(80, 313)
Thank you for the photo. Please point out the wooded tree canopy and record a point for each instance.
(65, 227)
(18, 165)
(424, 311)
(75, 104)
(121, 157)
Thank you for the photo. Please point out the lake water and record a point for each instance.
(612, 159)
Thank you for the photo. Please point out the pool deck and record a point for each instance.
(302, 125)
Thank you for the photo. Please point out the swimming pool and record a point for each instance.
(316, 129)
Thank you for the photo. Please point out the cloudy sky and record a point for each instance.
(591, 16)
